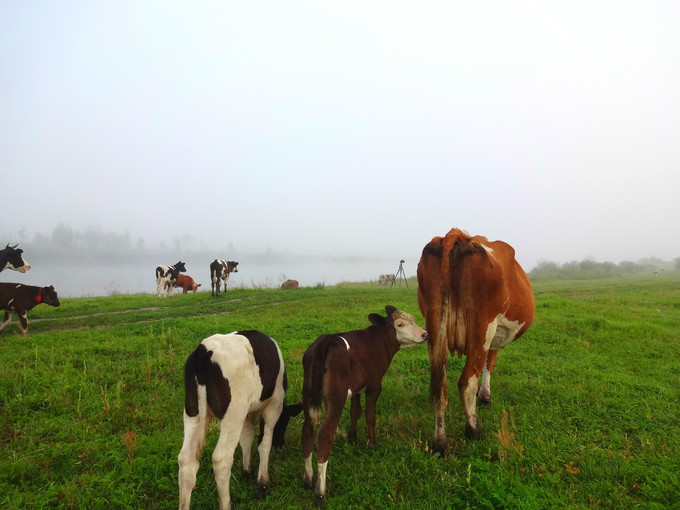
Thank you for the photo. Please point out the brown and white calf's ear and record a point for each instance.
(389, 310)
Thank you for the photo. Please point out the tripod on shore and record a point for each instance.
(400, 274)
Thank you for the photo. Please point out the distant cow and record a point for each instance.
(186, 283)
(343, 366)
(475, 298)
(238, 378)
(384, 279)
(18, 298)
(10, 258)
(219, 271)
(166, 276)
(290, 284)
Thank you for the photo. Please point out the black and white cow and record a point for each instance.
(10, 258)
(166, 276)
(240, 379)
(15, 297)
(220, 270)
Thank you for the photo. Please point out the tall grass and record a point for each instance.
(584, 414)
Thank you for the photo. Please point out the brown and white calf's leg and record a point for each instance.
(8, 317)
(484, 393)
(371, 403)
(308, 439)
(326, 438)
(354, 414)
(23, 320)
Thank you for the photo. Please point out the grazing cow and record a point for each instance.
(384, 279)
(18, 298)
(238, 378)
(290, 284)
(166, 276)
(475, 298)
(10, 258)
(343, 366)
(186, 283)
(219, 271)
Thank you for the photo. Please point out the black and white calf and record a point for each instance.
(240, 379)
(10, 258)
(219, 271)
(18, 298)
(166, 276)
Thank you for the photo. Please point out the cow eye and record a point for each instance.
(400, 324)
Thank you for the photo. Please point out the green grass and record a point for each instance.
(585, 405)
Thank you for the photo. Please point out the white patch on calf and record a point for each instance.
(321, 478)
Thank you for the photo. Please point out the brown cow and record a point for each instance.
(475, 298)
(341, 367)
(186, 283)
(15, 297)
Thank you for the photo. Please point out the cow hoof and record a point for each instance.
(319, 500)
(371, 445)
(476, 434)
(483, 401)
(263, 491)
(245, 475)
(439, 446)
(307, 483)
(352, 437)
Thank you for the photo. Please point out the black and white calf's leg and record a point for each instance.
(8, 318)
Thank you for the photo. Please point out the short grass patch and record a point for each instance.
(584, 414)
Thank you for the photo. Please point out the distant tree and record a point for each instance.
(63, 237)
(677, 263)
(545, 266)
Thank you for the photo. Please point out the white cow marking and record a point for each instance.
(500, 332)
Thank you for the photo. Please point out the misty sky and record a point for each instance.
(349, 128)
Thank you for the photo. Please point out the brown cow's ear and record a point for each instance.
(389, 310)
(376, 319)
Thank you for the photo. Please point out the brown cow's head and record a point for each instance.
(407, 332)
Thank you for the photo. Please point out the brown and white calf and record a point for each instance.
(220, 271)
(343, 366)
(166, 276)
(186, 283)
(240, 379)
(11, 258)
(15, 297)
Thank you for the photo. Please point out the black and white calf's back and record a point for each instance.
(166, 276)
(240, 379)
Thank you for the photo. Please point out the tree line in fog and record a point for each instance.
(589, 268)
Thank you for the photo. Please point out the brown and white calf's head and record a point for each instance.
(12, 259)
(48, 296)
(407, 332)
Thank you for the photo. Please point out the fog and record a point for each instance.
(342, 129)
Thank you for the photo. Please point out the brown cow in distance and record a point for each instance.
(186, 283)
(476, 299)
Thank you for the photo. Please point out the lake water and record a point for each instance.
(90, 279)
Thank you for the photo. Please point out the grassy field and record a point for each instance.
(585, 406)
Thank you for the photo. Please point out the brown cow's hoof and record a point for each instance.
(352, 437)
(474, 434)
(481, 401)
(440, 445)
(371, 445)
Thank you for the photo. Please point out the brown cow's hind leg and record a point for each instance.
(467, 385)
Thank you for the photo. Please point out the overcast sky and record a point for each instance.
(346, 127)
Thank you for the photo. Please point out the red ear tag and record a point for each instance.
(38, 298)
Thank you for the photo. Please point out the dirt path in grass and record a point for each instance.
(145, 321)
